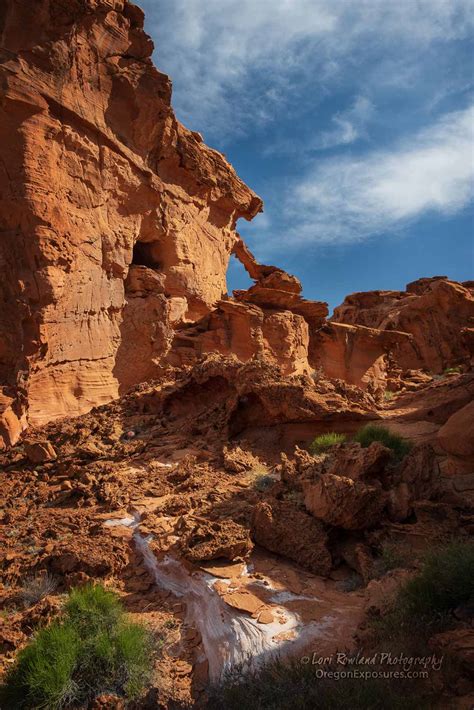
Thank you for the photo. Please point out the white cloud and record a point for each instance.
(351, 198)
(348, 126)
(215, 49)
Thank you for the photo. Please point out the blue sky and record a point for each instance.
(352, 119)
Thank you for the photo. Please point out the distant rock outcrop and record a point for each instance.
(437, 313)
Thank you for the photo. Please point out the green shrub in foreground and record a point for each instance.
(376, 432)
(91, 650)
(322, 443)
(425, 603)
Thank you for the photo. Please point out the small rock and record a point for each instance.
(265, 617)
(40, 451)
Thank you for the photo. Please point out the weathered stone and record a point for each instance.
(344, 503)
(39, 451)
(280, 527)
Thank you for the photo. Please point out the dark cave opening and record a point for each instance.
(145, 254)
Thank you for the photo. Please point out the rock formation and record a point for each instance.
(116, 221)
(168, 423)
(437, 313)
(117, 227)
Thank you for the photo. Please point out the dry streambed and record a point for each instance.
(247, 612)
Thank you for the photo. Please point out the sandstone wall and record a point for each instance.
(96, 174)
(436, 312)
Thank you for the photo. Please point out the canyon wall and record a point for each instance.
(116, 229)
(115, 220)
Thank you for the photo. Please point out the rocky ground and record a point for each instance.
(189, 497)
(154, 429)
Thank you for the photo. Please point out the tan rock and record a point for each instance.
(457, 435)
(344, 503)
(210, 541)
(40, 451)
(431, 305)
(127, 206)
(353, 461)
(284, 529)
(243, 601)
(265, 617)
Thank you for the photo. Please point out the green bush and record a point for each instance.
(324, 442)
(456, 370)
(375, 432)
(91, 650)
(93, 607)
(445, 582)
(295, 686)
(391, 557)
(426, 602)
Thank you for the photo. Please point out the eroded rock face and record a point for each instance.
(117, 226)
(344, 503)
(97, 175)
(456, 437)
(436, 312)
(280, 527)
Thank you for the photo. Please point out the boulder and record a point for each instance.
(344, 503)
(39, 451)
(215, 540)
(456, 436)
(281, 527)
(358, 463)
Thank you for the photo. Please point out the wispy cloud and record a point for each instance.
(347, 199)
(347, 126)
(214, 50)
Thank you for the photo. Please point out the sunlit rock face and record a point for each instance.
(437, 313)
(116, 229)
(96, 175)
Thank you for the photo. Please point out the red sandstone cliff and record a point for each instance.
(117, 224)
(437, 313)
(97, 180)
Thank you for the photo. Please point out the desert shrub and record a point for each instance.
(260, 477)
(295, 686)
(426, 601)
(36, 588)
(262, 483)
(388, 395)
(93, 607)
(391, 557)
(445, 582)
(322, 443)
(456, 370)
(92, 649)
(375, 432)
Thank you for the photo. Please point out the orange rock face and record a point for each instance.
(437, 313)
(117, 227)
(98, 176)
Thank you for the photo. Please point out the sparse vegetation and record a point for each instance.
(263, 483)
(456, 370)
(260, 477)
(391, 557)
(322, 443)
(295, 685)
(37, 587)
(317, 374)
(388, 395)
(425, 603)
(375, 432)
(92, 649)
